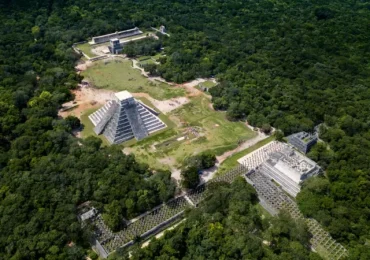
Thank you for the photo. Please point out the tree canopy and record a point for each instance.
(286, 64)
(228, 225)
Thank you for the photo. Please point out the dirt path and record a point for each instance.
(83, 65)
(159, 235)
(145, 74)
(242, 147)
(189, 86)
(209, 173)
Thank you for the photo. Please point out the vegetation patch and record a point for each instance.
(207, 85)
(86, 48)
(207, 130)
(118, 74)
(232, 161)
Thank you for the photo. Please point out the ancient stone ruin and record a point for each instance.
(125, 118)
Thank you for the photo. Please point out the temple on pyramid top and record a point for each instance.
(124, 118)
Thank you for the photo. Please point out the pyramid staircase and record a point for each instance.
(125, 118)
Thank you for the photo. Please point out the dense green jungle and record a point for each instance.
(291, 64)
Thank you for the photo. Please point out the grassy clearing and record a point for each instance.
(232, 161)
(208, 84)
(118, 75)
(216, 134)
(146, 62)
(86, 48)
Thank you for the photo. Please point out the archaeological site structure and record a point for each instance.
(124, 118)
(281, 163)
(303, 141)
(116, 35)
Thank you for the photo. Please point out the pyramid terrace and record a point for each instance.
(125, 118)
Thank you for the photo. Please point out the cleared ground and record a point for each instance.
(144, 60)
(232, 161)
(207, 84)
(87, 49)
(117, 74)
(199, 128)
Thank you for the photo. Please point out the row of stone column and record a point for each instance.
(257, 157)
(277, 199)
(111, 241)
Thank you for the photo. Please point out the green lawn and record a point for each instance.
(232, 161)
(216, 134)
(118, 74)
(220, 133)
(86, 48)
(208, 84)
(145, 60)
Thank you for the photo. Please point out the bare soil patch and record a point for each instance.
(83, 65)
(87, 98)
(165, 106)
(100, 50)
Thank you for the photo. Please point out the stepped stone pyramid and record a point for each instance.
(124, 118)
